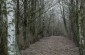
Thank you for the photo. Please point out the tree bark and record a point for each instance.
(11, 39)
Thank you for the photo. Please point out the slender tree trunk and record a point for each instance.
(3, 29)
(17, 20)
(25, 19)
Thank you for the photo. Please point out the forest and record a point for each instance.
(42, 27)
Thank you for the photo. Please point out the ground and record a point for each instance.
(54, 45)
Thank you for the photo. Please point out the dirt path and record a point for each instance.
(54, 45)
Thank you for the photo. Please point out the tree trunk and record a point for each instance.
(11, 39)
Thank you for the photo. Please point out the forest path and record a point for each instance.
(54, 45)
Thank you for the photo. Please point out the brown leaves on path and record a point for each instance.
(54, 45)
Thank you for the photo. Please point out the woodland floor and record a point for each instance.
(54, 45)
